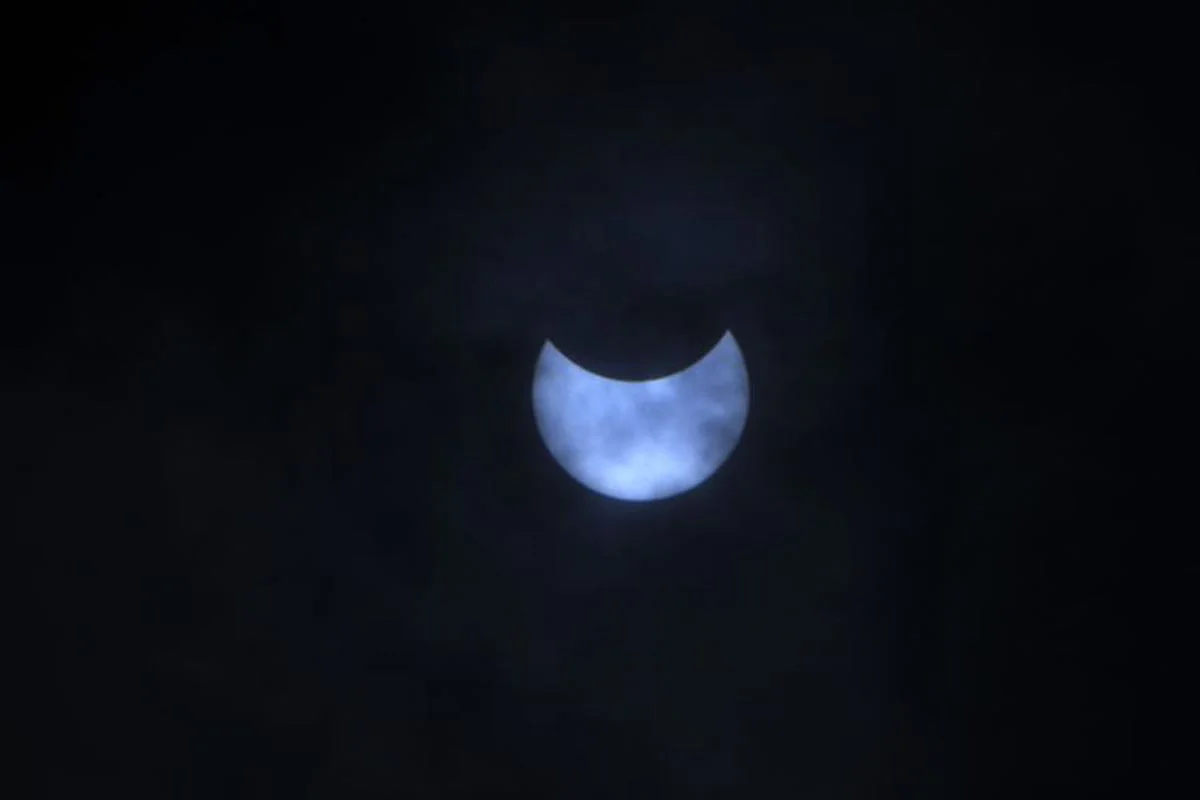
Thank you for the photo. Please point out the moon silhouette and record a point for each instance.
(642, 440)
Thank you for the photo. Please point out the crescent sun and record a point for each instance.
(642, 440)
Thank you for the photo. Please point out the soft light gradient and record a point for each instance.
(642, 440)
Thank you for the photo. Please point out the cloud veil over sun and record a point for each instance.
(642, 440)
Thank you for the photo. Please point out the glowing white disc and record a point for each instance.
(642, 440)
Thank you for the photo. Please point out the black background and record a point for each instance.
(277, 275)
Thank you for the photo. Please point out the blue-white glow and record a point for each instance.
(642, 440)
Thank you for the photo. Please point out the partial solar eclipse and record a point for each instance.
(642, 440)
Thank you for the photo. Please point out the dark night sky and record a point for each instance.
(277, 282)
